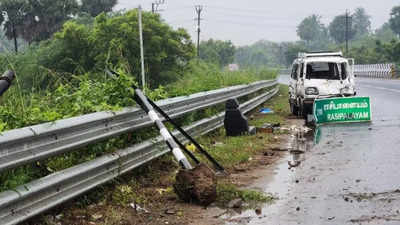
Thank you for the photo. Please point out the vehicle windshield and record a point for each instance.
(322, 70)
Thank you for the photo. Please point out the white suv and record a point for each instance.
(319, 75)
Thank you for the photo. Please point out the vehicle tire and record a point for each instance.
(294, 109)
(306, 109)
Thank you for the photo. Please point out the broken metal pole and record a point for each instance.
(5, 81)
(148, 108)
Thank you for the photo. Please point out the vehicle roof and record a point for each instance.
(322, 59)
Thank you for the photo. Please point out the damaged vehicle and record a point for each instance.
(319, 75)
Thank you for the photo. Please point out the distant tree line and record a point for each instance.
(37, 20)
(366, 45)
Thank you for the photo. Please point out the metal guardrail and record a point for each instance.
(380, 71)
(30, 144)
(285, 71)
(40, 195)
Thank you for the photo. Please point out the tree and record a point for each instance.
(361, 23)
(385, 33)
(95, 7)
(395, 20)
(114, 42)
(311, 28)
(12, 18)
(46, 17)
(260, 55)
(216, 51)
(292, 51)
(337, 29)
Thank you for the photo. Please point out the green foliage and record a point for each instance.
(66, 101)
(35, 20)
(395, 19)
(260, 54)
(12, 18)
(95, 7)
(204, 77)
(376, 51)
(113, 41)
(361, 22)
(216, 51)
(337, 29)
(311, 30)
(292, 51)
(385, 33)
(46, 17)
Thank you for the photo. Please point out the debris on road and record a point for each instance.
(170, 212)
(197, 185)
(235, 203)
(266, 111)
(268, 128)
(138, 208)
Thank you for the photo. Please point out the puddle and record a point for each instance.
(280, 178)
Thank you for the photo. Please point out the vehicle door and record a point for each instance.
(351, 73)
(300, 81)
(293, 81)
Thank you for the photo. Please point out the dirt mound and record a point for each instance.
(198, 185)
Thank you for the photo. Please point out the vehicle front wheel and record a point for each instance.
(294, 109)
(307, 109)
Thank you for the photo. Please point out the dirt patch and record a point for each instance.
(198, 185)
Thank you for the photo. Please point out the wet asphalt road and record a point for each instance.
(349, 174)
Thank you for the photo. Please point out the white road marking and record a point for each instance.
(382, 88)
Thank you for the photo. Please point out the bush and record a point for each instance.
(203, 77)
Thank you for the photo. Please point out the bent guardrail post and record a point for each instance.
(5, 81)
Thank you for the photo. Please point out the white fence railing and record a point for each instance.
(381, 71)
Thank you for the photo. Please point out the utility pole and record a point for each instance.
(155, 5)
(347, 32)
(199, 9)
(141, 48)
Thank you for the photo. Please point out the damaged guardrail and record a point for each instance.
(30, 144)
(22, 146)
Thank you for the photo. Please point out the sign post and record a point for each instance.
(341, 110)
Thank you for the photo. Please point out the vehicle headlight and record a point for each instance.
(312, 91)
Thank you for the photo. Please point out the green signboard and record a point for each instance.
(339, 110)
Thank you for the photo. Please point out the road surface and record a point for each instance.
(350, 174)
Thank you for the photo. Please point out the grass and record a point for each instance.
(231, 151)
(227, 192)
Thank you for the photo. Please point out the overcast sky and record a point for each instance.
(245, 22)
